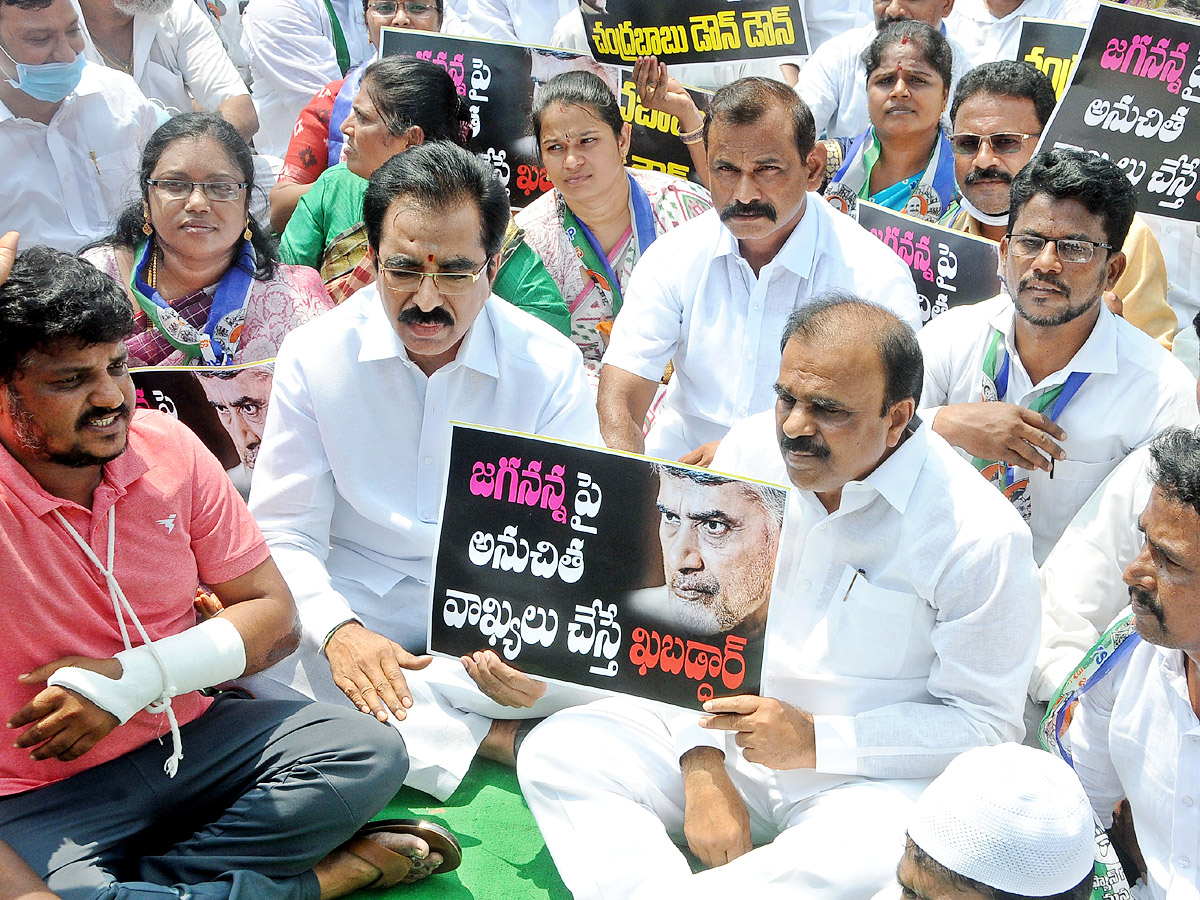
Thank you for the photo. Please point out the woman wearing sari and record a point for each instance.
(903, 161)
(402, 103)
(593, 227)
(203, 276)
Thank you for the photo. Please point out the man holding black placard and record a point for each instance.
(710, 295)
(902, 631)
(1077, 387)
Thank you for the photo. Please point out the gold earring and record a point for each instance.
(147, 228)
(248, 234)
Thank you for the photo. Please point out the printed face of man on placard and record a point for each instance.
(240, 400)
(719, 539)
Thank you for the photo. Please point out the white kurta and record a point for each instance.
(348, 484)
(905, 621)
(1134, 735)
(66, 181)
(987, 39)
(289, 44)
(178, 56)
(694, 300)
(1135, 389)
(523, 21)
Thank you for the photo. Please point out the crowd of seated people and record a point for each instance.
(992, 534)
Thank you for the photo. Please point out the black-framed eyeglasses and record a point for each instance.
(1071, 250)
(1002, 142)
(416, 9)
(217, 191)
(408, 281)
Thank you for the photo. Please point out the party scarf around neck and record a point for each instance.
(217, 343)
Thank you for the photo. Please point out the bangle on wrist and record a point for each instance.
(695, 136)
(332, 631)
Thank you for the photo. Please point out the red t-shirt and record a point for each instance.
(308, 150)
(179, 520)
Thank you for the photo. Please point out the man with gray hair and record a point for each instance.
(903, 629)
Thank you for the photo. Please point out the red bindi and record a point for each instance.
(904, 39)
(431, 257)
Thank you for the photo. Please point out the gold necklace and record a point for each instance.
(115, 63)
(152, 269)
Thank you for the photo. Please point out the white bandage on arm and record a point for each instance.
(208, 654)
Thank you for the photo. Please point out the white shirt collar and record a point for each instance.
(380, 340)
(1097, 355)
(798, 251)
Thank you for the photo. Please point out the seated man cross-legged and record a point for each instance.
(109, 521)
(901, 631)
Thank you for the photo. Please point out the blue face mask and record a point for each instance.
(51, 82)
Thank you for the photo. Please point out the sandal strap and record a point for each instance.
(393, 867)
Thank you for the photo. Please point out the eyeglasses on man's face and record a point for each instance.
(408, 281)
(1002, 142)
(1070, 250)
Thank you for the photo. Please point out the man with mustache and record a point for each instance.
(118, 777)
(999, 111)
(1043, 387)
(711, 295)
(903, 626)
(834, 80)
(1134, 734)
(348, 482)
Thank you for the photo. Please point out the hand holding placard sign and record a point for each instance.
(604, 569)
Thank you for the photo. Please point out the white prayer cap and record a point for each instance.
(1011, 817)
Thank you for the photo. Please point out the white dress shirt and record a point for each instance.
(1135, 390)
(1134, 735)
(66, 181)
(349, 479)
(986, 38)
(694, 300)
(1082, 579)
(289, 44)
(834, 82)
(906, 620)
(178, 56)
(523, 21)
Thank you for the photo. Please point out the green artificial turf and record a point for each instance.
(504, 855)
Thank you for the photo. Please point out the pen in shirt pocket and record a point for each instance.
(850, 586)
(95, 162)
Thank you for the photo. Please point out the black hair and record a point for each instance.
(932, 42)
(1176, 465)
(438, 175)
(407, 91)
(578, 88)
(52, 297)
(1008, 78)
(925, 862)
(26, 4)
(745, 101)
(191, 126)
(825, 318)
(1096, 183)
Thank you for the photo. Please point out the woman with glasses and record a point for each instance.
(203, 277)
(402, 103)
(903, 160)
(600, 218)
(317, 142)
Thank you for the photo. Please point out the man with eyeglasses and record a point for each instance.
(1043, 387)
(348, 481)
(999, 111)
